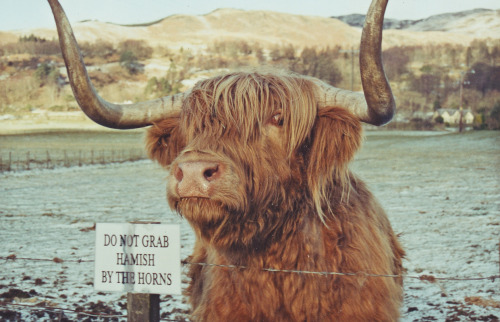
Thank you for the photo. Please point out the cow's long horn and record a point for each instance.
(377, 105)
(117, 116)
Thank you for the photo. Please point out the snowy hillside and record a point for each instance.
(477, 22)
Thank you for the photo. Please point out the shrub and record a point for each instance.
(484, 77)
(168, 85)
(138, 48)
(494, 118)
(31, 38)
(320, 64)
(420, 124)
(128, 60)
(396, 61)
(47, 73)
(100, 48)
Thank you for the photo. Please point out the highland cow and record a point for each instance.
(258, 165)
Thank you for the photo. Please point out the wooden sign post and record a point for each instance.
(143, 307)
(142, 259)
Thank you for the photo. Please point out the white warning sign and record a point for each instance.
(141, 258)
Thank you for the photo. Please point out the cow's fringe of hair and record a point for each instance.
(261, 94)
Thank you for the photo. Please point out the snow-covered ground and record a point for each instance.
(441, 192)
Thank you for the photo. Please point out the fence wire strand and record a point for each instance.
(428, 278)
(423, 277)
(59, 309)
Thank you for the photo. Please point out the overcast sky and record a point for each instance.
(24, 14)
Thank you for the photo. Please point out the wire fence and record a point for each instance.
(29, 160)
(59, 312)
(423, 277)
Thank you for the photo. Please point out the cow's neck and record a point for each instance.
(281, 251)
(246, 276)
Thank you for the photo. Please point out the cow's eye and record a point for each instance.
(277, 119)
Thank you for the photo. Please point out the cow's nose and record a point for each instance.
(196, 178)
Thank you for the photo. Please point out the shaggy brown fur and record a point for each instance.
(286, 201)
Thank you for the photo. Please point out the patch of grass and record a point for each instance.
(74, 148)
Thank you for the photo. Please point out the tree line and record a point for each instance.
(424, 78)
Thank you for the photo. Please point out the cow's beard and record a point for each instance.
(201, 212)
(232, 230)
(213, 221)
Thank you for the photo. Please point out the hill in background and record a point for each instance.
(478, 22)
(447, 60)
(270, 28)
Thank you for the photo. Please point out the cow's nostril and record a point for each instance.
(211, 173)
(178, 174)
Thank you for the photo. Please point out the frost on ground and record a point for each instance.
(441, 192)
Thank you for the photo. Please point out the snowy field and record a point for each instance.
(441, 192)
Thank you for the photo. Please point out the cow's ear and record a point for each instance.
(163, 141)
(335, 137)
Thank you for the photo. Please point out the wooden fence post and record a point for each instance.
(48, 159)
(66, 160)
(143, 307)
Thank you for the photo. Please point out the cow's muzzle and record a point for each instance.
(197, 179)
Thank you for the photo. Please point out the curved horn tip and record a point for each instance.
(382, 119)
(377, 90)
